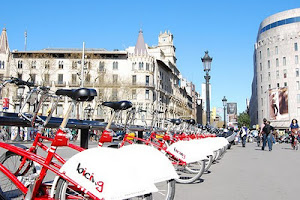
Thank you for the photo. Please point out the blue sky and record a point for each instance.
(227, 29)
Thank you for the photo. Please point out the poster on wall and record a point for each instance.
(232, 112)
(278, 104)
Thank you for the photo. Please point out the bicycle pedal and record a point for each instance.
(30, 180)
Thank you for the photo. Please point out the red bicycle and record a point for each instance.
(77, 178)
(188, 172)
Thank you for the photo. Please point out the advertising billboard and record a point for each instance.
(278, 104)
(231, 108)
(232, 112)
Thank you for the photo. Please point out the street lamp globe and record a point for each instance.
(224, 100)
(87, 111)
(206, 62)
(20, 90)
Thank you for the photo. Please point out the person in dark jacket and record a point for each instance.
(294, 127)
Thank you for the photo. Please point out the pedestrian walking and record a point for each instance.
(270, 138)
(294, 129)
(265, 132)
(243, 134)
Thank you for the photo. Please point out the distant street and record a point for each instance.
(248, 174)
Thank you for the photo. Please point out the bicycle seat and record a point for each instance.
(158, 112)
(121, 105)
(175, 121)
(81, 94)
(192, 122)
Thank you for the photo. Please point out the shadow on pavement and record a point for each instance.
(195, 182)
(290, 148)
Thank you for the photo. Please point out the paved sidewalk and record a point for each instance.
(247, 174)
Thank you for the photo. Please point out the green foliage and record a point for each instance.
(244, 119)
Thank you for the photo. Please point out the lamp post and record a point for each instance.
(206, 60)
(224, 100)
(88, 111)
(20, 92)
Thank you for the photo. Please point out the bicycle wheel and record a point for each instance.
(12, 162)
(2, 196)
(193, 168)
(190, 173)
(166, 190)
(221, 154)
(216, 155)
(65, 190)
(208, 163)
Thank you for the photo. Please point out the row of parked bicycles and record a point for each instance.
(150, 165)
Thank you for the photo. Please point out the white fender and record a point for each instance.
(209, 144)
(202, 147)
(186, 152)
(223, 142)
(215, 143)
(151, 161)
(108, 174)
(231, 137)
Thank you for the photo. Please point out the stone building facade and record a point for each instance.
(146, 76)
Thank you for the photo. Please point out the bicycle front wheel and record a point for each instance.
(190, 173)
(208, 163)
(198, 168)
(166, 190)
(12, 162)
(65, 191)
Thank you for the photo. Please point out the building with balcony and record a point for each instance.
(146, 76)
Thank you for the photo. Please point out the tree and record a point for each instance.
(244, 119)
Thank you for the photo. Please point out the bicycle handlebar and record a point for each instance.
(141, 110)
(18, 82)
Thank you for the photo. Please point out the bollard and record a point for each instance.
(140, 135)
(84, 138)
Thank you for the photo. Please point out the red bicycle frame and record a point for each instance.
(129, 139)
(60, 139)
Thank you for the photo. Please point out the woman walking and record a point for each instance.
(294, 129)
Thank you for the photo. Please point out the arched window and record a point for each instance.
(101, 66)
(141, 66)
(133, 66)
(88, 78)
(33, 64)
(47, 64)
(20, 64)
(115, 65)
(74, 65)
(61, 64)
(88, 65)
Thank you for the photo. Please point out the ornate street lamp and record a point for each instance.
(20, 92)
(224, 100)
(88, 110)
(206, 60)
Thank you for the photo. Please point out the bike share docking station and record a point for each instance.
(12, 119)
